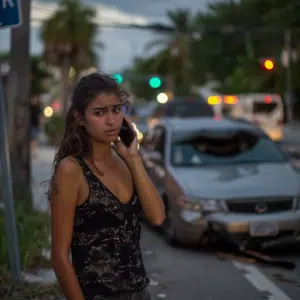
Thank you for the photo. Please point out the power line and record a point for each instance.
(226, 30)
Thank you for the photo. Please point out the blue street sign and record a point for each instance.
(10, 13)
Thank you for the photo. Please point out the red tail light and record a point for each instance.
(230, 99)
(268, 99)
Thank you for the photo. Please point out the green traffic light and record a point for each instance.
(155, 82)
(118, 78)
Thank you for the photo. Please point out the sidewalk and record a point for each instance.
(41, 167)
(41, 172)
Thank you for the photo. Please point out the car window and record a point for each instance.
(238, 147)
(264, 108)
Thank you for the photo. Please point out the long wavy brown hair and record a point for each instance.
(75, 140)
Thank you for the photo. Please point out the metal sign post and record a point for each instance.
(10, 16)
(7, 194)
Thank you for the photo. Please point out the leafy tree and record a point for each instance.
(39, 73)
(68, 37)
(173, 58)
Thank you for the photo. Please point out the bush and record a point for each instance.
(33, 233)
(54, 128)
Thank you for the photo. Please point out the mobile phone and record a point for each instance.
(127, 135)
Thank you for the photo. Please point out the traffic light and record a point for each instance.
(155, 82)
(118, 78)
(268, 64)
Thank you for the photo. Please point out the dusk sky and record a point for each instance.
(121, 45)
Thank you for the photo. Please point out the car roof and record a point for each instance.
(207, 123)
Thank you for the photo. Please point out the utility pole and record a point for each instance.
(288, 50)
(19, 102)
(7, 194)
(10, 13)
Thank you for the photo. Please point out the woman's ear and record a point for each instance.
(78, 117)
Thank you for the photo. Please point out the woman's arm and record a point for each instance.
(64, 196)
(152, 204)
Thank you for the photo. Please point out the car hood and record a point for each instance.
(243, 180)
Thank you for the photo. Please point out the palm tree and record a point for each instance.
(40, 76)
(68, 37)
(175, 47)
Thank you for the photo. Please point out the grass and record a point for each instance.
(27, 291)
(33, 232)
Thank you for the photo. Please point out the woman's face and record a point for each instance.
(104, 117)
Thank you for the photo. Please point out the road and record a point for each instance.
(192, 274)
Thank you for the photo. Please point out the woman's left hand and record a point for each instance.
(132, 150)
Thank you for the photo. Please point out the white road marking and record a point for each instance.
(261, 282)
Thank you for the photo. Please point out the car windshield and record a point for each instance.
(229, 148)
(264, 108)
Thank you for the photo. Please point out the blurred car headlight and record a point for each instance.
(198, 204)
(210, 205)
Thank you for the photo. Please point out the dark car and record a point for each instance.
(184, 107)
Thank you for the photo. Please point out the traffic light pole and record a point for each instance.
(287, 42)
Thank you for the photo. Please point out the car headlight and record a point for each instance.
(210, 205)
(198, 204)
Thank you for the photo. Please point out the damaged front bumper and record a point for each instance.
(263, 230)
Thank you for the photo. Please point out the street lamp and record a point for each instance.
(162, 98)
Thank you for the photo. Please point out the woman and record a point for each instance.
(99, 193)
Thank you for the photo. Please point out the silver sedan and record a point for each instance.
(223, 177)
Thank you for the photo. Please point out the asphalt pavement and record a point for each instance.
(192, 274)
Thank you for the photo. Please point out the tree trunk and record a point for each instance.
(65, 87)
(19, 101)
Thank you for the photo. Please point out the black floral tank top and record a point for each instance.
(106, 252)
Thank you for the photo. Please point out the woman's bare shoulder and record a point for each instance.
(69, 166)
(67, 174)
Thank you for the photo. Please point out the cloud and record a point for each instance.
(155, 9)
(105, 15)
(121, 45)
